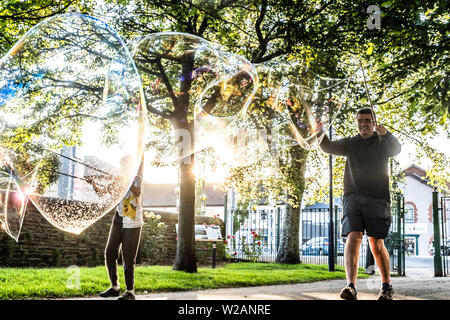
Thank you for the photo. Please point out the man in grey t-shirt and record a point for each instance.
(366, 201)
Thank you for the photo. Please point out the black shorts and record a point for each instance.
(365, 213)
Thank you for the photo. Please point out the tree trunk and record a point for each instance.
(289, 244)
(185, 255)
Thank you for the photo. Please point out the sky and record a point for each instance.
(441, 143)
(160, 175)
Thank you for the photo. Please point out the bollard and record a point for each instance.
(331, 235)
(214, 250)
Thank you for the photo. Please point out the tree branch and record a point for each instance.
(19, 16)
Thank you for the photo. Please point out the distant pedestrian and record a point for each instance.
(366, 201)
(370, 260)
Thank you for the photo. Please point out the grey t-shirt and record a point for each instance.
(366, 167)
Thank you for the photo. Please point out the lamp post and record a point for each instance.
(437, 235)
(331, 234)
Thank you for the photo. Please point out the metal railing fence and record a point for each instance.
(255, 235)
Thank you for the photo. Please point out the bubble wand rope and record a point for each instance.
(80, 162)
(368, 97)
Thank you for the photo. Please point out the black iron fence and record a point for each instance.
(441, 237)
(315, 240)
(395, 241)
(445, 227)
(254, 235)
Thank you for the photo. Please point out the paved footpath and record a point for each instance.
(419, 284)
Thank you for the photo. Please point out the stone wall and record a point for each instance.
(164, 251)
(43, 245)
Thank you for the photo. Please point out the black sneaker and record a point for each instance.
(111, 292)
(127, 296)
(386, 292)
(349, 293)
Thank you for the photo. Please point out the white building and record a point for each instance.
(164, 197)
(419, 231)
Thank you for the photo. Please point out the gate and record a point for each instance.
(253, 235)
(315, 240)
(445, 227)
(441, 242)
(395, 241)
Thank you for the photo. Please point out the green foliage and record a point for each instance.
(240, 214)
(407, 53)
(17, 16)
(253, 248)
(7, 248)
(152, 246)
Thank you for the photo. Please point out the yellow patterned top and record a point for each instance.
(129, 209)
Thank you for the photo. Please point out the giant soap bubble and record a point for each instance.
(238, 139)
(292, 101)
(194, 89)
(13, 196)
(71, 113)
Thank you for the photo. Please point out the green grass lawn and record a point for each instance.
(34, 283)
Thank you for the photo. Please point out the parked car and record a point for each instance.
(314, 246)
(340, 247)
(410, 249)
(320, 246)
(445, 247)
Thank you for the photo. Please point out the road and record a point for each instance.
(415, 262)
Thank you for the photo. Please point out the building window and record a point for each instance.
(409, 213)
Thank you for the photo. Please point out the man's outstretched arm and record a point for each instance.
(338, 147)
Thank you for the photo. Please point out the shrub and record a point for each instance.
(152, 246)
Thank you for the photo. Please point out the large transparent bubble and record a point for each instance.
(71, 112)
(195, 93)
(13, 196)
(237, 138)
(293, 102)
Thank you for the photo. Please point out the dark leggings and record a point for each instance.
(129, 239)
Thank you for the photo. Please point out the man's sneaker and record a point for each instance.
(111, 292)
(349, 292)
(127, 296)
(386, 292)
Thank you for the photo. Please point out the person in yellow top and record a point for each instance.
(125, 232)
